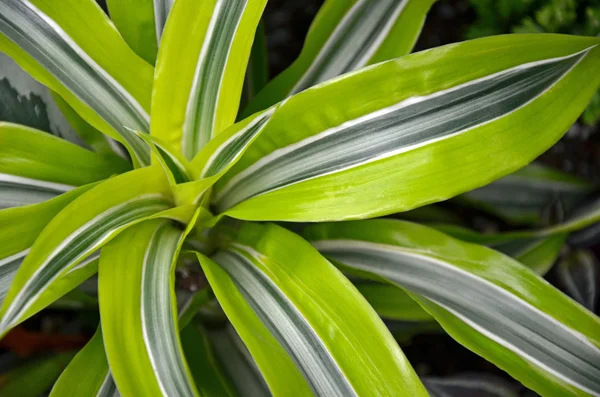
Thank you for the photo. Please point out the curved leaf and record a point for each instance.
(135, 21)
(488, 302)
(410, 122)
(87, 374)
(79, 229)
(138, 311)
(20, 227)
(197, 91)
(346, 36)
(334, 337)
(89, 65)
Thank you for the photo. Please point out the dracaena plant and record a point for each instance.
(354, 129)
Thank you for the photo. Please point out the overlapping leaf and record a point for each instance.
(486, 301)
(197, 91)
(346, 36)
(412, 123)
(87, 63)
(334, 338)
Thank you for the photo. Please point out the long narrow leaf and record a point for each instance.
(316, 158)
(488, 302)
(197, 91)
(87, 374)
(135, 21)
(335, 338)
(346, 36)
(139, 314)
(89, 65)
(79, 229)
(20, 227)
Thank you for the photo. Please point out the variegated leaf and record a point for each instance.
(138, 311)
(488, 302)
(316, 158)
(346, 36)
(20, 227)
(89, 65)
(36, 166)
(197, 91)
(51, 269)
(274, 270)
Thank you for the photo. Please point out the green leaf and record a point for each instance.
(25, 101)
(334, 337)
(36, 166)
(135, 21)
(579, 275)
(276, 366)
(522, 197)
(87, 374)
(34, 377)
(207, 371)
(139, 313)
(421, 123)
(87, 63)
(197, 91)
(51, 267)
(392, 303)
(346, 36)
(20, 227)
(547, 341)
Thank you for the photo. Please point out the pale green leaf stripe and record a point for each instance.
(230, 150)
(108, 388)
(8, 269)
(76, 247)
(199, 124)
(161, 12)
(16, 191)
(406, 126)
(353, 42)
(526, 330)
(158, 317)
(51, 47)
(285, 322)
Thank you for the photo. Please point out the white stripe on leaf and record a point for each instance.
(285, 322)
(413, 123)
(78, 246)
(202, 107)
(526, 330)
(45, 41)
(158, 317)
(353, 42)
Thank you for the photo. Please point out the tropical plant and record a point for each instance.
(354, 129)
